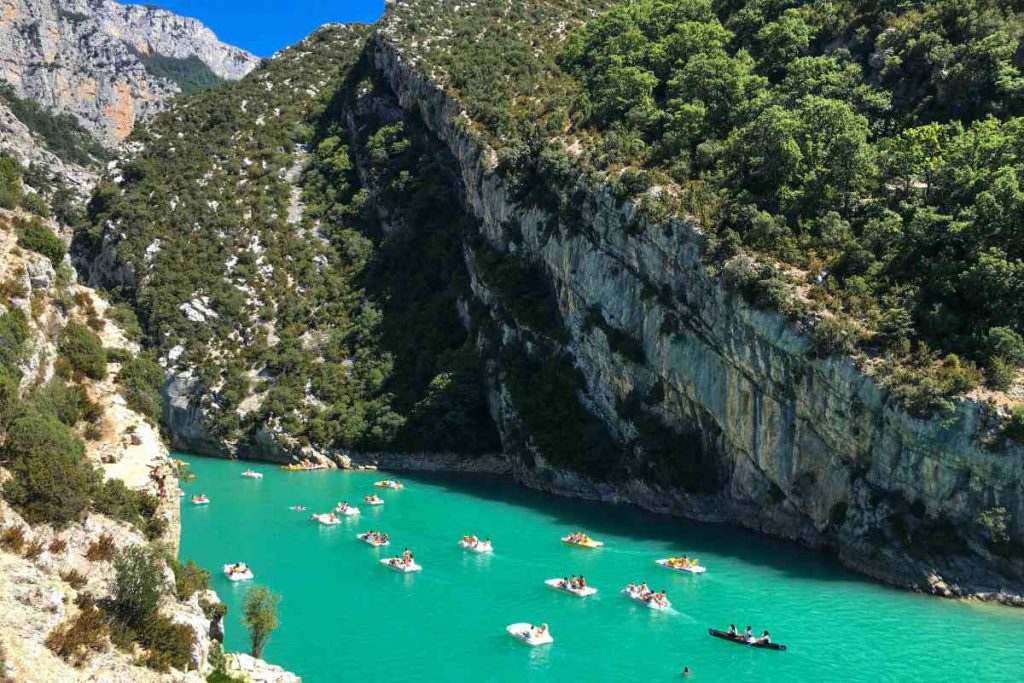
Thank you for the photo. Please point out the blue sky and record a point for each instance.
(265, 26)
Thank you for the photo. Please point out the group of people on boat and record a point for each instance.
(642, 592)
(373, 500)
(389, 484)
(748, 636)
(574, 582)
(305, 464)
(376, 537)
(405, 560)
(473, 541)
(683, 562)
(578, 537)
(238, 568)
(325, 518)
(201, 499)
(343, 508)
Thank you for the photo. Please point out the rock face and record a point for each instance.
(16, 141)
(89, 58)
(785, 443)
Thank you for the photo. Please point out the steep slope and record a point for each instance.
(628, 354)
(106, 63)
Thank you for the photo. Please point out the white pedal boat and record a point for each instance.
(399, 566)
(365, 538)
(200, 500)
(559, 585)
(526, 633)
(373, 500)
(349, 511)
(389, 484)
(692, 569)
(652, 604)
(233, 575)
(478, 547)
(327, 519)
(249, 474)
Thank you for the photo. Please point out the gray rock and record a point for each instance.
(85, 57)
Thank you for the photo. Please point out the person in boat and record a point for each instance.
(643, 590)
(406, 556)
(732, 631)
(748, 635)
(686, 672)
(384, 537)
(541, 631)
(582, 583)
(631, 588)
(765, 639)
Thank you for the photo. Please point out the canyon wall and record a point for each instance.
(788, 444)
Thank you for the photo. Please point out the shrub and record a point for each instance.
(1014, 426)
(74, 640)
(138, 585)
(58, 545)
(259, 615)
(124, 317)
(101, 549)
(835, 336)
(10, 182)
(116, 500)
(189, 577)
(34, 549)
(33, 234)
(13, 539)
(74, 578)
(51, 481)
(83, 350)
(34, 203)
(140, 379)
(169, 643)
(1000, 373)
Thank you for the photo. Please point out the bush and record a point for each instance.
(1014, 426)
(170, 644)
(10, 182)
(58, 545)
(259, 615)
(189, 577)
(84, 350)
(138, 585)
(101, 549)
(835, 336)
(117, 501)
(73, 641)
(13, 539)
(34, 550)
(74, 578)
(1000, 373)
(34, 235)
(51, 481)
(140, 379)
(124, 317)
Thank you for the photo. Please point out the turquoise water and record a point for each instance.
(345, 617)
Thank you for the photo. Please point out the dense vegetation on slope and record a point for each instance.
(191, 74)
(60, 133)
(865, 154)
(42, 425)
(296, 322)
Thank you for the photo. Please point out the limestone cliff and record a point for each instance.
(720, 411)
(106, 63)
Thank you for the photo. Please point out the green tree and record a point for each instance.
(51, 480)
(84, 350)
(259, 615)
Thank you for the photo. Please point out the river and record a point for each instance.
(343, 616)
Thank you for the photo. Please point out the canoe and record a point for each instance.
(398, 566)
(365, 538)
(478, 547)
(237, 576)
(696, 569)
(578, 592)
(652, 604)
(525, 633)
(590, 543)
(740, 640)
